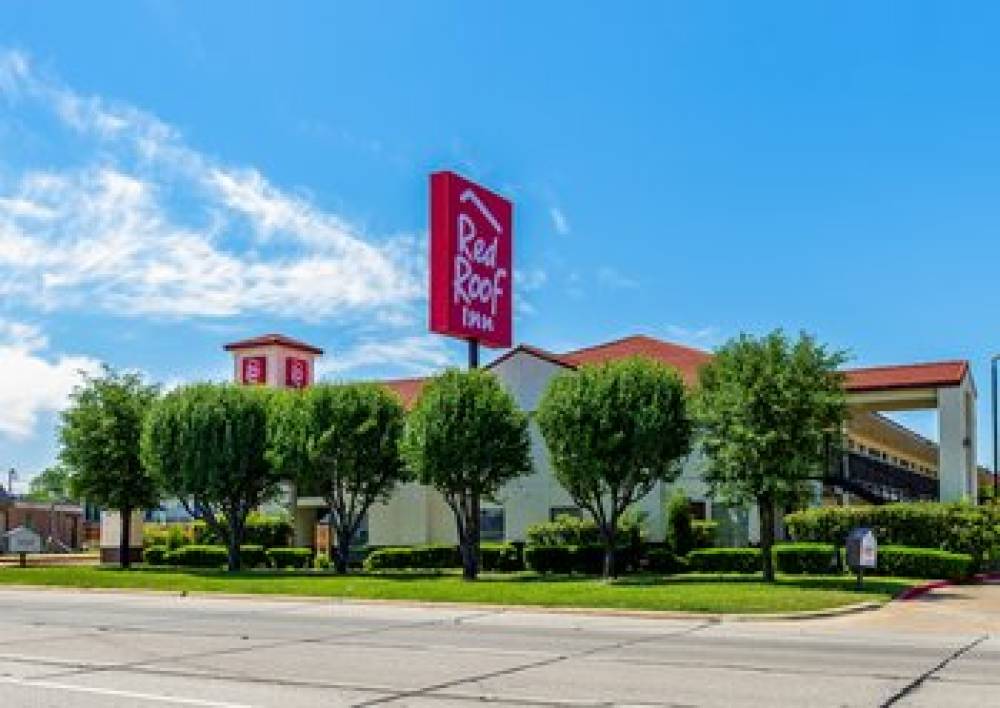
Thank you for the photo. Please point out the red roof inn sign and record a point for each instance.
(470, 261)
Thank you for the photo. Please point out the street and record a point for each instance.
(64, 648)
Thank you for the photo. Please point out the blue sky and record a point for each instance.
(175, 176)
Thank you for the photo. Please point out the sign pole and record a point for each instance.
(473, 354)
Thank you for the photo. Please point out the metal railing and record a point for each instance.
(878, 481)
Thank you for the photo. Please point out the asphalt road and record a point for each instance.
(60, 648)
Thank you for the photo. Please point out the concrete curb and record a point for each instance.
(713, 617)
(918, 591)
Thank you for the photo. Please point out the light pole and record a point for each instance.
(993, 381)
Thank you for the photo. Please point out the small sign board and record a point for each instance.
(862, 548)
(23, 540)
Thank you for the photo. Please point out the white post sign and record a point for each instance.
(24, 540)
(869, 551)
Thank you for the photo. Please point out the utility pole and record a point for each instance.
(993, 372)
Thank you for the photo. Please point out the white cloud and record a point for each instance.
(31, 383)
(615, 279)
(559, 221)
(694, 336)
(411, 355)
(147, 225)
(530, 279)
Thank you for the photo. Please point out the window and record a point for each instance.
(491, 524)
(360, 536)
(699, 511)
(557, 511)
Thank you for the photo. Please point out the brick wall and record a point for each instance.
(63, 523)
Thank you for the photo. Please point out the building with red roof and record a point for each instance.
(881, 459)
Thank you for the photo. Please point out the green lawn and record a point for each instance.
(693, 593)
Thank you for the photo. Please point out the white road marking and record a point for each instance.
(152, 697)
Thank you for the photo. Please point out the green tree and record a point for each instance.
(613, 432)
(466, 438)
(767, 409)
(341, 441)
(207, 443)
(50, 485)
(680, 533)
(100, 433)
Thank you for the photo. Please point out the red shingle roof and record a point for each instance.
(408, 390)
(881, 378)
(686, 360)
(270, 339)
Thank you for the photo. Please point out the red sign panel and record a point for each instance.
(296, 373)
(470, 261)
(254, 370)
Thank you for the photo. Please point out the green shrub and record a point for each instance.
(550, 558)
(587, 559)
(197, 556)
(501, 557)
(252, 555)
(705, 534)
(153, 535)
(261, 530)
(955, 527)
(289, 557)
(927, 563)
(680, 535)
(809, 558)
(156, 555)
(413, 557)
(322, 561)
(725, 560)
(665, 561)
(203, 556)
(566, 530)
(173, 536)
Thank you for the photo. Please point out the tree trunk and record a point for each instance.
(469, 545)
(331, 544)
(343, 549)
(234, 544)
(766, 506)
(610, 541)
(125, 538)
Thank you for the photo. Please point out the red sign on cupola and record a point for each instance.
(296, 373)
(255, 370)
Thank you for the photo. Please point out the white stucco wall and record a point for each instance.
(417, 515)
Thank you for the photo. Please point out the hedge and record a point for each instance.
(665, 561)
(811, 558)
(156, 555)
(586, 559)
(266, 531)
(204, 556)
(926, 563)
(725, 560)
(414, 557)
(568, 530)
(289, 557)
(704, 533)
(501, 557)
(173, 536)
(955, 527)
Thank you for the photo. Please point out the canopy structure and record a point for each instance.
(944, 386)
